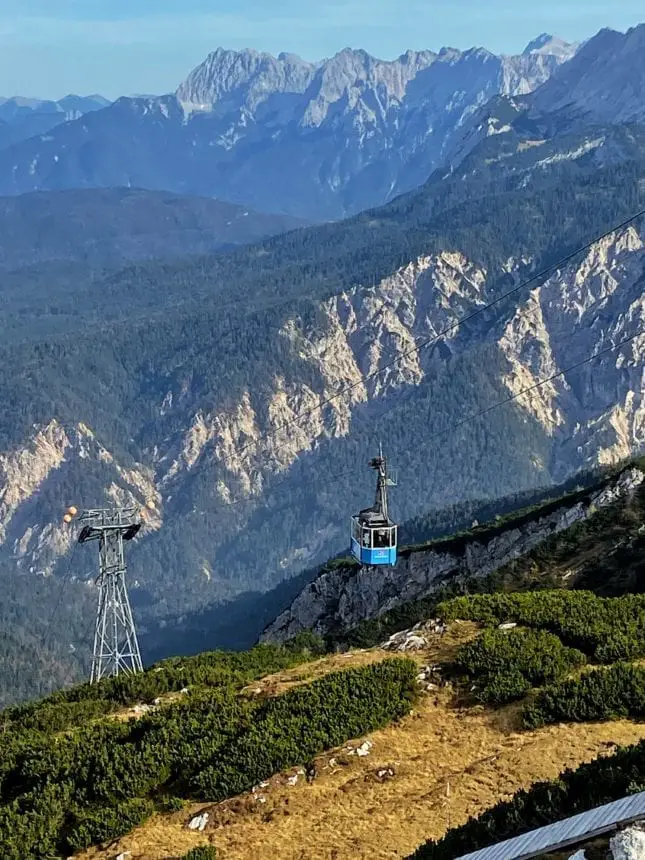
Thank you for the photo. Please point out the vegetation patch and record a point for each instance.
(205, 852)
(74, 707)
(606, 629)
(605, 694)
(507, 664)
(59, 795)
(601, 781)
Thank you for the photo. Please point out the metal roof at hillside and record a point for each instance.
(562, 834)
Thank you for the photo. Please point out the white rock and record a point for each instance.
(579, 855)
(629, 844)
(292, 780)
(124, 855)
(507, 625)
(199, 822)
(364, 748)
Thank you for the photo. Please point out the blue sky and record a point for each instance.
(51, 47)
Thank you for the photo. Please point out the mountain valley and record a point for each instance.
(206, 365)
(216, 305)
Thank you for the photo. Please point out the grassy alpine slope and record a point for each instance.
(449, 759)
(574, 791)
(67, 784)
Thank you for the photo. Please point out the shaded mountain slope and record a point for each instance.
(22, 118)
(109, 227)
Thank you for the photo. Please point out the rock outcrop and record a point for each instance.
(340, 599)
(629, 844)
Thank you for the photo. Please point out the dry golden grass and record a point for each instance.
(449, 763)
(441, 649)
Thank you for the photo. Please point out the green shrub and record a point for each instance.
(604, 694)
(214, 741)
(594, 784)
(306, 643)
(205, 852)
(70, 708)
(285, 732)
(504, 687)
(607, 629)
(98, 824)
(508, 664)
(171, 803)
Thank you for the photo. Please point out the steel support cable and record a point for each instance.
(62, 583)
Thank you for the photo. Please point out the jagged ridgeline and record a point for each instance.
(318, 146)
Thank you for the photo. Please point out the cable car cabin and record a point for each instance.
(373, 536)
(373, 540)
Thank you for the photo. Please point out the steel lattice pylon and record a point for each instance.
(116, 649)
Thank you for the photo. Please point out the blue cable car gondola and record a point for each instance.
(373, 536)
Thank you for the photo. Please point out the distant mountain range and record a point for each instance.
(313, 140)
(22, 118)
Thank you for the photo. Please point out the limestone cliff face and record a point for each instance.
(37, 484)
(340, 599)
(594, 415)
(591, 415)
(363, 331)
(578, 312)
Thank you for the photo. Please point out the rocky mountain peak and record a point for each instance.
(247, 77)
(551, 45)
(604, 81)
(538, 44)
